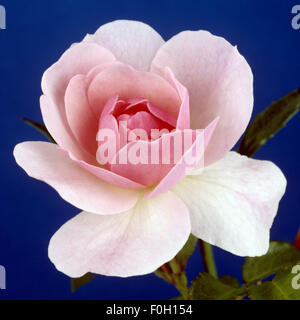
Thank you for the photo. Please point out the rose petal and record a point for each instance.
(219, 81)
(82, 121)
(44, 161)
(106, 175)
(156, 111)
(155, 159)
(79, 59)
(135, 242)
(132, 42)
(183, 121)
(162, 115)
(108, 122)
(61, 132)
(128, 83)
(233, 203)
(178, 172)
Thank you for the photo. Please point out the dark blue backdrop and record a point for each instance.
(38, 32)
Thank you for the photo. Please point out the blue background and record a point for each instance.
(37, 33)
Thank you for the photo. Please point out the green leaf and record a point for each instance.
(269, 122)
(281, 256)
(230, 281)
(40, 127)
(280, 288)
(207, 287)
(79, 282)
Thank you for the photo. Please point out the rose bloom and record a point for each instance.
(137, 216)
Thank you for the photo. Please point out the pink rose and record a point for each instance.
(137, 216)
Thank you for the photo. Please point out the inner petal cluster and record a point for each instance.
(137, 117)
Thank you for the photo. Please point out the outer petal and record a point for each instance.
(219, 81)
(61, 132)
(132, 42)
(43, 161)
(233, 203)
(79, 59)
(132, 243)
(81, 119)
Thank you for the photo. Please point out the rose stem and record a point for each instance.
(208, 258)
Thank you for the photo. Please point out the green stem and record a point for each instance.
(179, 276)
(208, 258)
(174, 274)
